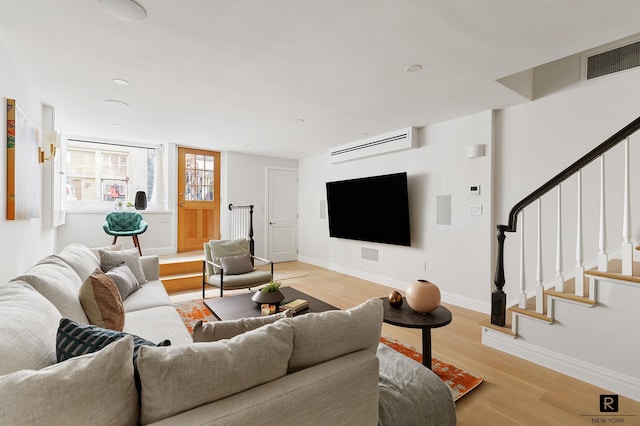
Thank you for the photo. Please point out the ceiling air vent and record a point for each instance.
(614, 60)
(389, 142)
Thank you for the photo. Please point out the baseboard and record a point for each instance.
(454, 299)
(594, 374)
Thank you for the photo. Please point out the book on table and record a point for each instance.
(295, 305)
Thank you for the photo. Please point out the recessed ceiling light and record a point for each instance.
(120, 82)
(413, 68)
(116, 125)
(124, 10)
(365, 134)
(117, 104)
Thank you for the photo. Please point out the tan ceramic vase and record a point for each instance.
(423, 296)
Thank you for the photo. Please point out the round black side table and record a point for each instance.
(404, 316)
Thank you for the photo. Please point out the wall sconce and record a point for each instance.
(51, 139)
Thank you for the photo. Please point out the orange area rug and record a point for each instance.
(459, 381)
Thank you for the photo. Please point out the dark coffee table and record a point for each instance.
(241, 305)
(404, 316)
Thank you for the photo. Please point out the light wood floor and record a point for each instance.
(514, 391)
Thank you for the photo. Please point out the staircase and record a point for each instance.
(182, 272)
(580, 322)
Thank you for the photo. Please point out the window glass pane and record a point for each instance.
(107, 172)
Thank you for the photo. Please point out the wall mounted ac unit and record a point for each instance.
(389, 142)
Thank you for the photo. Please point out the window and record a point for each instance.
(101, 172)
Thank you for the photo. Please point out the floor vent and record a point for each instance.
(612, 61)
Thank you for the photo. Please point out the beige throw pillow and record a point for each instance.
(320, 337)
(213, 331)
(101, 301)
(235, 265)
(110, 259)
(178, 378)
(96, 389)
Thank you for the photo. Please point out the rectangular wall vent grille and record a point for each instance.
(614, 60)
(389, 142)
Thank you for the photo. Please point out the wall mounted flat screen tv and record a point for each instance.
(374, 209)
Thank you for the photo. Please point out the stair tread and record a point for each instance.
(569, 296)
(614, 271)
(179, 276)
(506, 329)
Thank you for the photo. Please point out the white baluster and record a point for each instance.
(539, 286)
(523, 286)
(579, 275)
(559, 276)
(603, 258)
(627, 248)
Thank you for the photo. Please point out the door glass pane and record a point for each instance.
(199, 177)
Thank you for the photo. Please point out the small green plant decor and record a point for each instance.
(272, 287)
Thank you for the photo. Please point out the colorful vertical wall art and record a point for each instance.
(23, 177)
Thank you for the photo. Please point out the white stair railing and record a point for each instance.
(579, 274)
(522, 302)
(627, 248)
(603, 258)
(559, 275)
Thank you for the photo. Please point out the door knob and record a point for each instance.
(181, 204)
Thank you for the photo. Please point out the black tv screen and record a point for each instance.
(372, 209)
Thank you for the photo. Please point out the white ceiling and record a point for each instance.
(241, 74)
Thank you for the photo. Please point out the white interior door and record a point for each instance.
(283, 214)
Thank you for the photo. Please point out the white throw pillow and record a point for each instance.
(110, 259)
(96, 389)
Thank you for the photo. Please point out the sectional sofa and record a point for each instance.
(316, 369)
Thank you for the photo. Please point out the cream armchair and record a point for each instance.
(228, 264)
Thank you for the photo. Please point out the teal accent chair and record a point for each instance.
(128, 224)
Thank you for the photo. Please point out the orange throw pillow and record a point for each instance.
(102, 302)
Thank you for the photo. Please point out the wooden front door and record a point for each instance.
(198, 198)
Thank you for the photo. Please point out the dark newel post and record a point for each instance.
(251, 242)
(499, 297)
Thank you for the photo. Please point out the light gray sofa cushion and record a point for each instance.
(178, 378)
(343, 391)
(150, 295)
(319, 337)
(157, 324)
(97, 388)
(60, 284)
(411, 394)
(32, 320)
(80, 259)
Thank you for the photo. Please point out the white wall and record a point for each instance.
(245, 183)
(458, 256)
(23, 241)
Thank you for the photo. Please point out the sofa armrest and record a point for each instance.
(315, 395)
(150, 267)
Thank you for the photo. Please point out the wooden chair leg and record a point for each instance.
(137, 243)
